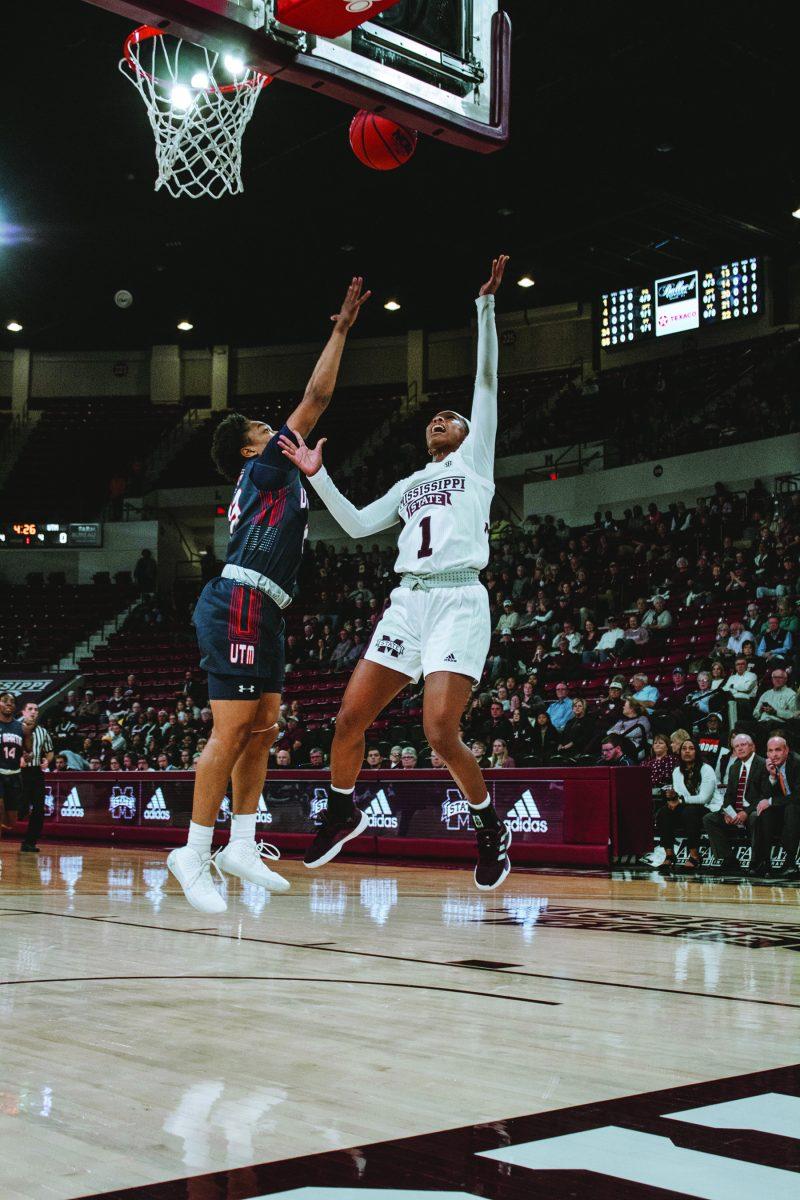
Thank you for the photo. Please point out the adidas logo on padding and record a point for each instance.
(156, 808)
(525, 817)
(379, 813)
(72, 807)
(263, 815)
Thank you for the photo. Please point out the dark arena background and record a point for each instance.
(620, 1017)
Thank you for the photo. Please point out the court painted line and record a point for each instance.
(415, 987)
(333, 949)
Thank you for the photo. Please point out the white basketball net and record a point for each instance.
(199, 103)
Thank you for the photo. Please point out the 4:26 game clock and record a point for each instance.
(16, 535)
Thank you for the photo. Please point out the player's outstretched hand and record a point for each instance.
(351, 306)
(307, 460)
(493, 283)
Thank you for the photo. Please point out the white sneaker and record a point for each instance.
(244, 858)
(193, 873)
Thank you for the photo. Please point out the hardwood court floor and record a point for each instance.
(143, 1042)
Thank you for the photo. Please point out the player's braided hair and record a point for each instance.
(226, 446)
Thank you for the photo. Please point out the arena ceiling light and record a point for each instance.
(392, 306)
(796, 214)
(14, 327)
(526, 282)
(233, 64)
(181, 97)
(185, 326)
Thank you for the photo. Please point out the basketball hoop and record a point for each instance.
(198, 122)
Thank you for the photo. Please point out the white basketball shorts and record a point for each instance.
(445, 629)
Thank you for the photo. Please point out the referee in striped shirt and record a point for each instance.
(33, 778)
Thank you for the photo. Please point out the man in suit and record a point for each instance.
(748, 783)
(779, 813)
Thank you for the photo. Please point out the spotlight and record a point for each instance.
(526, 282)
(796, 214)
(233, 64)
(392, 306)
(200, 81)
(14, 327)
(185, 326)
(181, 97)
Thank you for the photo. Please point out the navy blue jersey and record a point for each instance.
(11, 736)
(268, 517)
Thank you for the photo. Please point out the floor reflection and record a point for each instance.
(218, 1121)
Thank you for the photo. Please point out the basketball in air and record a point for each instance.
(123, 298)
(379, 143)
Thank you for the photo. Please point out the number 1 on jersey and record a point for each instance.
(426, 549)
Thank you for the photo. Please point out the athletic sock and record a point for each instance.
(484, 815)
(340, 803)
(243, 827)
(487, 803)
(200, 837)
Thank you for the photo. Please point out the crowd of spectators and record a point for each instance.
(124, 732)
(580, 669)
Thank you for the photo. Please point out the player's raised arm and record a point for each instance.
(356, 522)
(483, 420)
(323, 378)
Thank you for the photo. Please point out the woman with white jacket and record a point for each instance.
(692, 795)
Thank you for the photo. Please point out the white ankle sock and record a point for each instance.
(200, 837)
(243, 826)
(486, 804)
(343, 791)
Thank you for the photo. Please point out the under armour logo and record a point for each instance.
(244, 688)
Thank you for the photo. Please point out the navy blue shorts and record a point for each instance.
(11, 790)
(240, 632)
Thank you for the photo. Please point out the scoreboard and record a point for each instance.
(48, 535)
(691, 299)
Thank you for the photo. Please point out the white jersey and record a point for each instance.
(445, 506)
(445, 513)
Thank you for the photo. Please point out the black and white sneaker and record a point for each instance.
(493, 863)
(332, 835)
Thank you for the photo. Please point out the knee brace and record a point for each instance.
(268, 729)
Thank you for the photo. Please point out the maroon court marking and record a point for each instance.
(448, 1160)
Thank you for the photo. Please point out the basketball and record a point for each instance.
(379, 143)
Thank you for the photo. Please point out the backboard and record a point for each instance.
(442, 68)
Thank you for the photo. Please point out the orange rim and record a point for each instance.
(145, 32)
